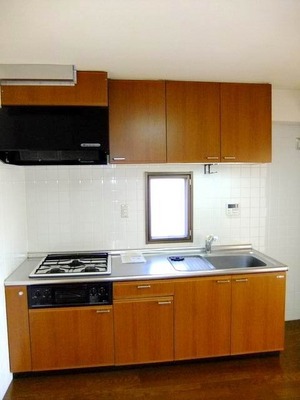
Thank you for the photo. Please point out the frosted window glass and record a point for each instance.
(168, 208)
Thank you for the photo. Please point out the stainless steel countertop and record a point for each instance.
(157, 266)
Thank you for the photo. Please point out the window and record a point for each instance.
(168, 207)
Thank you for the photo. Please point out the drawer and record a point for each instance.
(143, 289)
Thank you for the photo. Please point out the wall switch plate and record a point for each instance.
(124, 210)
(233, 209)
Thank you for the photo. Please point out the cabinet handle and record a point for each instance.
(119, 158)
(280, 276)
(224, 281)
(162, 303)
(144, 286)
(102, 311)
(241, 280)
(20, 293)
(212, 158)
(229, 158)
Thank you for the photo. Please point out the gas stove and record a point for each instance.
(77, 264)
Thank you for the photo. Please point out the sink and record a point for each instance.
(190, 263)
(235, 261)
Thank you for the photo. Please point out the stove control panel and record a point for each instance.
(69, 295)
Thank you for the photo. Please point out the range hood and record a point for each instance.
(37, 74)
(54, 135)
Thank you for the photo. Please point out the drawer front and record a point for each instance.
(143, 289)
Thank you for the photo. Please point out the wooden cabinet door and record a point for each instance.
(143, 330)
(202, 317)
(90, 90)
(193, 122)
(245, 122)
(71, 337)
(18, 328)
(137, 121)
(258, 303)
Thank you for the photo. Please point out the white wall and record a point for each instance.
(283, 218)
(13, 248)
(286, 105)
(78, 208)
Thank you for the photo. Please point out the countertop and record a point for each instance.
(157, 266)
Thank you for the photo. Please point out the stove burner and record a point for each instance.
(75, 263)
(55, 271)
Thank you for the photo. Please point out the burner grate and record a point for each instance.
(73, 265)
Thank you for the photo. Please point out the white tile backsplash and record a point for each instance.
(79, 207)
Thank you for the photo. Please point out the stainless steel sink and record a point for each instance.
(235, 261)
(190, 263)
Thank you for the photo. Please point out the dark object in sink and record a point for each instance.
(176, 258)
(235, 261)
(190, 263)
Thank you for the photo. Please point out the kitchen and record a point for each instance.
(42, 208)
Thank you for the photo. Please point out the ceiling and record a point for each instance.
(204, 40)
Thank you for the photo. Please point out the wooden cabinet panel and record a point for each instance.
(18, 328)
(71, 337)
(245, 122)
(258, 303)
(143, 330)
(90, 90)
(193, 121)
(143, 289)
(151, 321)
(137, 121)
(202, 317)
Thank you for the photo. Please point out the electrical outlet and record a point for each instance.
(124, 210)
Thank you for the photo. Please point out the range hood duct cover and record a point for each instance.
(37, 74)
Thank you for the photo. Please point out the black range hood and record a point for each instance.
(54, 135)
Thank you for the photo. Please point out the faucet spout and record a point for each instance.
(208, 242)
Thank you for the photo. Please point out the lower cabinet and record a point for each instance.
(258, 307)
(71, 337)
(143, 330)
(18, 328)
(143, 321)
(151, 321)
(229, 315)
(202, 317)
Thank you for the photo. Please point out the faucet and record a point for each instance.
(208, 242)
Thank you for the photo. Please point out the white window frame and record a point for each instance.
(187, 211)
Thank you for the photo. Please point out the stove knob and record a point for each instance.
(37, 294)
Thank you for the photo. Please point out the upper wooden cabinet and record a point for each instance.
(193, 122)
(245, 122)
(137, 121)
(90, 90)
(187, 122)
